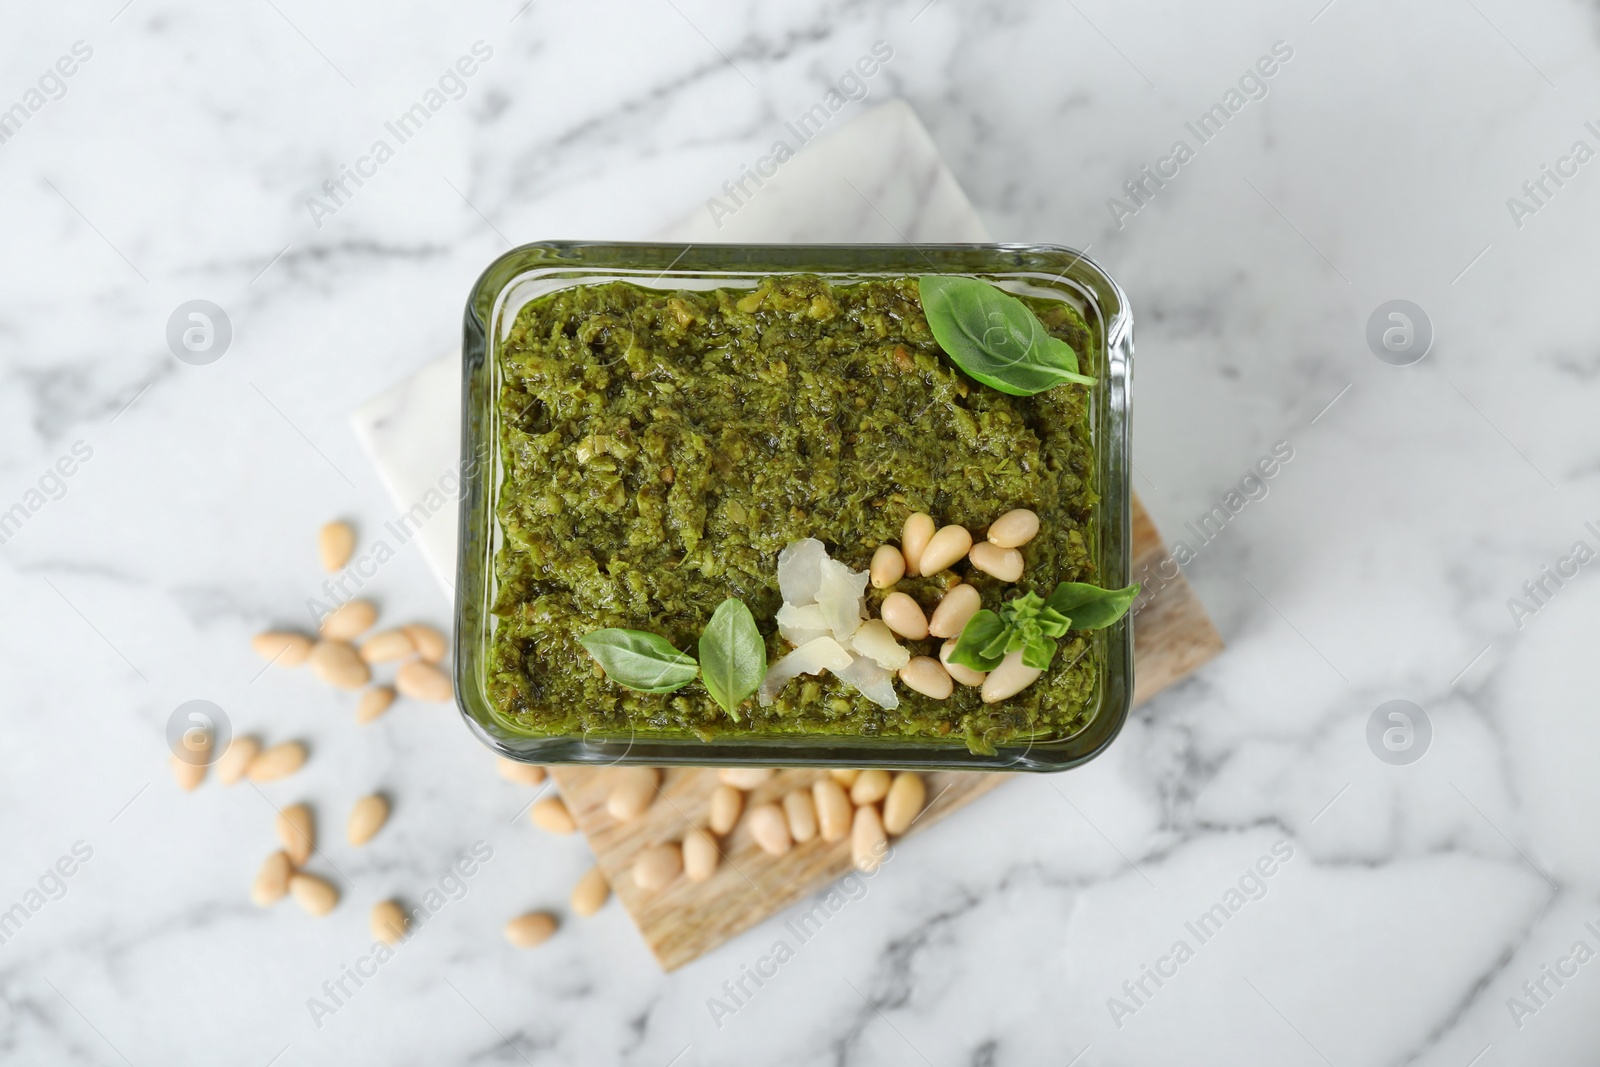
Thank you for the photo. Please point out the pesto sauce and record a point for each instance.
(659, 449)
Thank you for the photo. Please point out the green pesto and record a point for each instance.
(659, 449)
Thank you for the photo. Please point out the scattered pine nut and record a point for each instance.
(374, 702)
(964, 675)
(1003, 563)
(338, 664)
(232, 764)
(904, 803)
(350, 619)
(279, 761)
(888, 566)
(272, 880)
(726, 804)
(845, 776)
(389, 922)
(700, 855)
(914, 538)
(187, 775)
(551, 815)
(1014, 529)
(746, 778)
(801, 815)
(421, 680)
(534, 928)
(1008, 679)
(868, 842)
(336, 542)
(430, 642)
(387, 646)
(298, 832)
(283, 648)
(871, 787)
(904, 616)
(656, 866)
(632, 790)
(367, 818)
(770, 829)
(522, 773)
(317, 896)
(591, 892)
(927, 676)
(946, 547)
(956, 608)
(833, 809)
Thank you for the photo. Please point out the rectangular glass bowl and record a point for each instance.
(523, 274)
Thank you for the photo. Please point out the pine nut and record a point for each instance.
(1008, 679)
(317, 896)
(868, 843)
(726, 804)
(350, 619)
(904, 803)
(522, 773)
(925, 675)
(430, 643)
(963, 675)
(232, 764)
(272, 880)
(551, 815)
(632, 790)
(845, 776)
(871, 787)
(1004, 563)
(904, 616)
(947, 546)
(534, 928)
(1014, 529)
(298, 832)
(187, 775)
(421, 680)
(374, 702)
(388, 923)
(769, 828)
(387, 647)
(833, 809)
(283, 648)
(700, 855)
(746, 778)
(279, 761)
(801, 816)
(914, 538)
(591, 892)
(338, 664)
(366, 819)
(956, 608)
(888, 566)
(656, 866)
(336, 542)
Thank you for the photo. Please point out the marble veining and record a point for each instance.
(1430, 913)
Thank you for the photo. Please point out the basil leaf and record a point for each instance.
(1091, 607)
(1052, 622)
(639, 660)
(972, 647)
(733, 656)
(1038, 653)
(993, 337)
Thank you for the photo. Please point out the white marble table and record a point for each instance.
(1379, 563)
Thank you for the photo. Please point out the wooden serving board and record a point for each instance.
(1172, 636)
